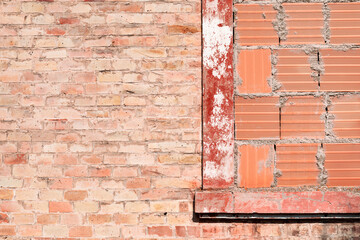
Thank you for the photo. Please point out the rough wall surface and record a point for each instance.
(100, 124)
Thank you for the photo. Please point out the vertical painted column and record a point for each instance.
(218, 127)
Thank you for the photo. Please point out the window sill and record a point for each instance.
(323, 204)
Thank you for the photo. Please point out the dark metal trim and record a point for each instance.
(279, 216)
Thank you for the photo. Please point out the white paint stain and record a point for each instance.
(217, 40)
(224, 145)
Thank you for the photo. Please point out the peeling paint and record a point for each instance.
(217, 41)
(218, 138)
(223, 145)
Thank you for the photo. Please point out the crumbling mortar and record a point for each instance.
(326, 29)
(237, 156)
(314, 62)
(272, 81)
(329, 125)
(280, 23)
(282, 101)
(320, 163)
(277, 173)
(237, 80)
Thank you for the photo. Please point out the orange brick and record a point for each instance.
(99, 218)
(341, 72)
(254, 25)
(7, 230)
(257, 118)
(48, 219)
(99, 172)
(60, 207)
(10, 206)
(126, 218)
(256, 166)
(6, 194)
(294, 71)
(342, 164)
(254, 69)
(210, 231)
(297, 164)
(75, 195)
(346, 110)
(304, 23)
(71, 219)
(62, 183)
(301, 118)
(15, 159)
(23, 218)
(80, 231)
(4, 218)
(30, 230)
(343, 15)
(138, 183)
(161, 231)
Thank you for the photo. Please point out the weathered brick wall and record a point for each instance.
(100, 124)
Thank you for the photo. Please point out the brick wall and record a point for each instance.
(100, 124)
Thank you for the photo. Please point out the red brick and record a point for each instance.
(55, 31)
(180, 231)
(99, 172)
(254, 70)
(60, 207)
(68, 20)
(209, 231)
(257, 118)
(92, 159)
(7, 230)
(254, 25)
(75, 195)
(6, 194)
(304, 23)
(340, 63)
(62, 183)
(269, 230)
(48, 219)
(30, 230)
(301, 117)
(16, 159)
(342, 164)
(256, 166)
(138, 183)
(10, 206)
(346, 112)
(297, 164)
(182, 29)
(294, 71)
(80, 231)
(4, 218)
(213, 202)
(194, 231)
(242, 230)
(126, 218)
(343, 15)
(161, 231)
(99, 218)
